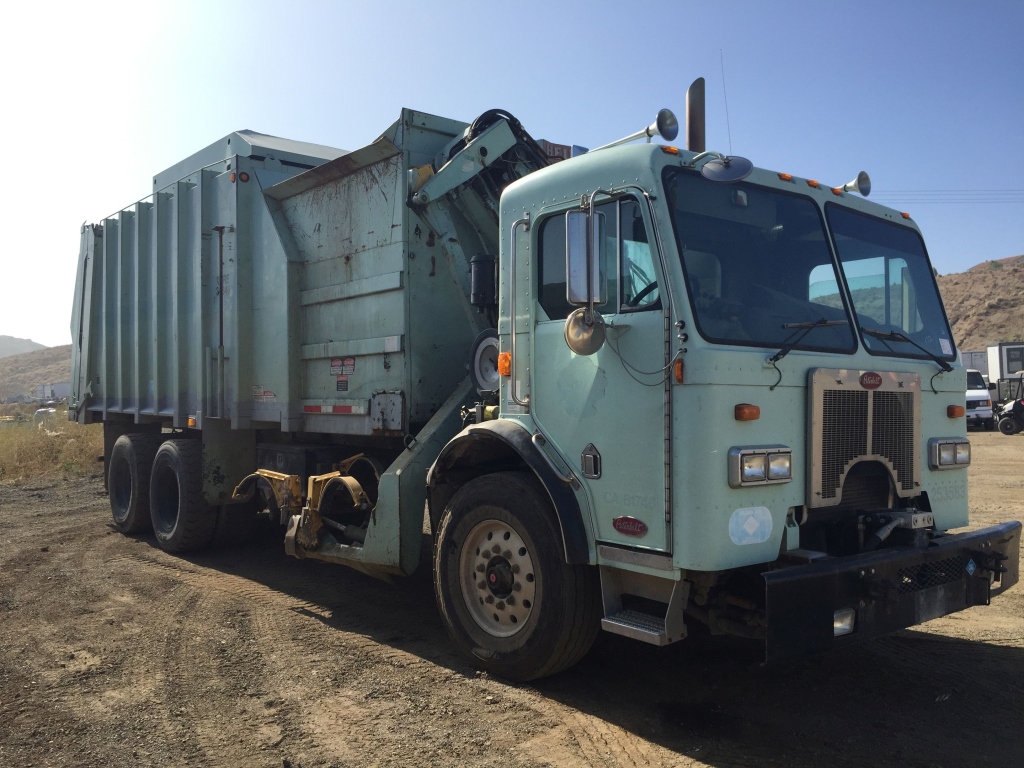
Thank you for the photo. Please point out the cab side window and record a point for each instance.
(628, 247)
(637, 275)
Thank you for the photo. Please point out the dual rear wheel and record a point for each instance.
(157, 485)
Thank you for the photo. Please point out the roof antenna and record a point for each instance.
(725, 95)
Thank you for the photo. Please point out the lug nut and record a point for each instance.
(515, 569)
(496, 549)
(507, 554)
(482, 584)
(517, 586)
(500, 606)
(489, 599)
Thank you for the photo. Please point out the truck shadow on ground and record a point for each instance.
(911, 699)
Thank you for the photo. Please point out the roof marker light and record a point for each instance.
(837, 190)
(812, 183)
(669, 150)
(786, 176)
(905, 215)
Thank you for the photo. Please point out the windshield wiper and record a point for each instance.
(897, 336)
(805, 328)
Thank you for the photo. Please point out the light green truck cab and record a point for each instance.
(770, 439)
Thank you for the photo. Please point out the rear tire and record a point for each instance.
(128, 471)
(1008, 426)
(520, 612)
(182, 520)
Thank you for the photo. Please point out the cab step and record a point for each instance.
(638, 626)
(664, 599)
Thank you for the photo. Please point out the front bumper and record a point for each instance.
(890, 589)
(976, 415)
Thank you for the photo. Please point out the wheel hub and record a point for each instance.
(497, 577)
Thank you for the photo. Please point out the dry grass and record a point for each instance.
(53, 447)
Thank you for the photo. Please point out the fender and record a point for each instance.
(490, 441)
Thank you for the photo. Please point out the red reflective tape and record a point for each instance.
(327, 409)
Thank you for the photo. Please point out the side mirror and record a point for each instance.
(991, 386)
(586, 280)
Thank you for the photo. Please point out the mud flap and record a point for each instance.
(889, 590)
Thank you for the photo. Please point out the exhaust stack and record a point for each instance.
(695, 138)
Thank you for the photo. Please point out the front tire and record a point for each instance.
(128, 471)
(505, 592)
(1008, 426)
(182, 520)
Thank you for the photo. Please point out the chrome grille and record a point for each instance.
(845, 426)
(892, 433)
(848, 424)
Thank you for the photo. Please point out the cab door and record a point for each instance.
(605, 413)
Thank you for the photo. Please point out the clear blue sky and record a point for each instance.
(928, 97)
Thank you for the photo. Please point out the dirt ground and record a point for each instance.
(115, 653)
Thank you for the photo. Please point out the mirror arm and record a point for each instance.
(512, 306)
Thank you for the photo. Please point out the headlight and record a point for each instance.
(948, 452)
(753, 467)
(963, 453)
(760, 465)
(780, 466)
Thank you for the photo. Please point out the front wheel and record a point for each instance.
(505, 592)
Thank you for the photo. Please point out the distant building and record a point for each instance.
(55, 391)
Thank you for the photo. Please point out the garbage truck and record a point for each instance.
(634, 389)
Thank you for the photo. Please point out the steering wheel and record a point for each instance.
(642, 293)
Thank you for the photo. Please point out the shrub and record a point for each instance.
(52, 447)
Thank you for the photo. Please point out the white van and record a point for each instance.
(979, 401)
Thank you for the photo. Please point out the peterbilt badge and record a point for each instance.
(871, 380)
(630, 526)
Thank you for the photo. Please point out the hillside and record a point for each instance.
(985, 304)
(10, 345)
(20, 373)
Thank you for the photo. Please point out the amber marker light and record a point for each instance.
(191, 421)
(955, 411)
(243, 176)
(747, 412)
(837, 190)
(232, 178)
(812, 183)
(505, 363)
(677, 371)
(669, 150)
(905, 215)
(786, 176)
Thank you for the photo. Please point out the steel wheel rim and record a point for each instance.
(498, 579)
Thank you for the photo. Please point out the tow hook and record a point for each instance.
(990, 561)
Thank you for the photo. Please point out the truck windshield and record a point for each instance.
(758, 266)
(891, 285)
(975, 381)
